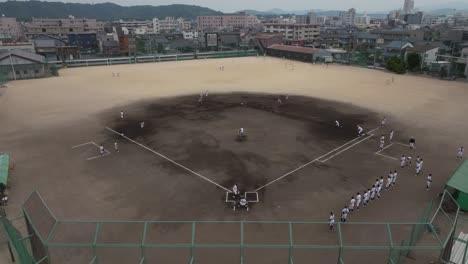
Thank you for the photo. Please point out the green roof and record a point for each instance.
(459, 180)
(4, 164)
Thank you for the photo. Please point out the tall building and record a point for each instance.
(240, 20)
(414, 19)
(312, 18)
(348, 17)
(408, 6)
(301, 19)
(294, 32)
(364, 19)
(9, 27)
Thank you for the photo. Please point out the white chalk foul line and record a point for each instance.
(360, 141)
(380, 154)
(100, 156)
(384, 148)
(168, 159)
(81, 145)
(310, 162)
(402, 144)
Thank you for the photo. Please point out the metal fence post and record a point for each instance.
(192, 243)
(242, 242)
(290, 244)
(341, 243)
(96, 234)
(389, 232)
(145, 228)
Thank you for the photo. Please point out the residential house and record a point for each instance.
(54, 48)
(108, 45)
(20, 64)
(263, 41)
(428, 54)
(366, 40)
(396, 48)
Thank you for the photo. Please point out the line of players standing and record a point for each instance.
(374, 193)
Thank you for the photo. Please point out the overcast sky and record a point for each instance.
(262, 5)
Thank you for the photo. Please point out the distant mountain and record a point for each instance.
(445, 5)
(446, 11)
(105, 11)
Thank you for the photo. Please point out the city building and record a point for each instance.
(312, 18)
(428, 54)
(364, 19)
(454, 35)
(399, 34)
(413, 19)
(136, 27)
(20, 64)
(302, 19)
(294, 32)
(10, 28)
(190, 34)
(396, 48)
(58, 27)
(348, 17)
(108, 45)
(25, 46)
(320, 20)
(86, 42)
(292, 52)
(366, 40)
(240, 20)
(408, 6)
(170, 24)
(263, 41)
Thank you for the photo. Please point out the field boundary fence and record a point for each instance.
(153, 58)
(51, 240)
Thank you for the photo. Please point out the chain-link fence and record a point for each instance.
(72, 241)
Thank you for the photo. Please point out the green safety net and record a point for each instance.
(4, 166)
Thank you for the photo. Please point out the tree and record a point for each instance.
(397, 65)
(414, 62)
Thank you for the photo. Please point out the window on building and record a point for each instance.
(17, 72)
(43, 30)
(36, 71)
(25, 72)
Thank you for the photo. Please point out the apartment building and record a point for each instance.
(9, 27)
(294, 32)
(240, 20)
(62, 26)
(171, 24)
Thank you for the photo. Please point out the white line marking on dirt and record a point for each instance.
(384, 148)
(100, 156)
(402, 144)
(317, 159)
(81, 145)
(168, 159)
(366, 138)
(380, 154)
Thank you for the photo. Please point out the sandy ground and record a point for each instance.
(42, 119)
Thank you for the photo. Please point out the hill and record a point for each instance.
(107, 11)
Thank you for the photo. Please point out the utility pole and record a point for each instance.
(12, 67)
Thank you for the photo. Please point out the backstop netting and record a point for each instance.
(73, 241)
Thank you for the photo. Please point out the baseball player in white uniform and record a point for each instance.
(351, 204)
(460, 153)
(358, 201)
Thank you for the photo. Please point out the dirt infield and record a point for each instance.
(43, 119)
